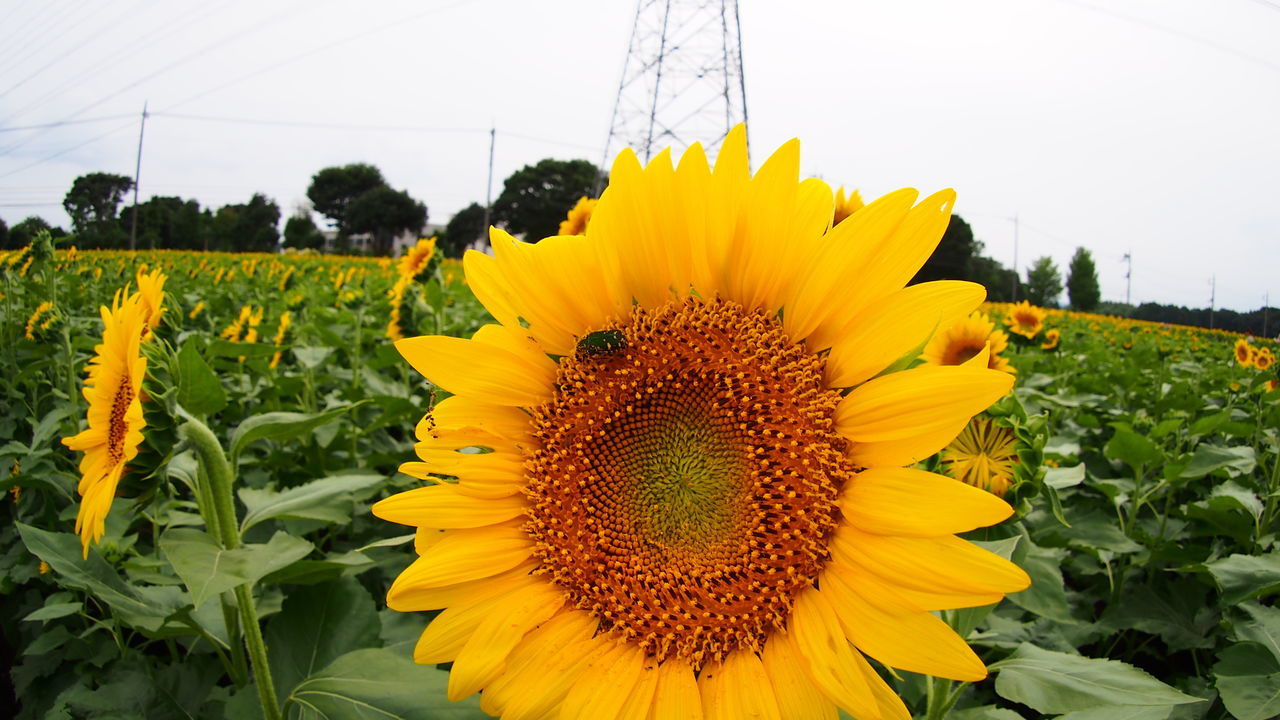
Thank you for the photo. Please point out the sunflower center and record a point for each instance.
(117, 429)
(684, 488)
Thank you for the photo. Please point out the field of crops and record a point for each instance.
(1143, 468)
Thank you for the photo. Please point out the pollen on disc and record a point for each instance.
(683, 488)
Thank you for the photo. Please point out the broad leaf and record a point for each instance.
(199, 391)
(1245, 576)
(1248, 679)
(1209, 458)
(1054, 682)
(316, 625)
(208, 569)
(328, 499)
(378, 683)
(1131, 449)
(282, 426)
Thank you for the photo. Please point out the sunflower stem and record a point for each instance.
(213, 460)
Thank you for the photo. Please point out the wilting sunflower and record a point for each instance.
(846, 205)
(151, 288)
(44, 313)
(417, 259)
(575, 223)
(982, 456)
(1244, 353)
(966, 340)
(1263, 358)
(661, 502)
(115, 413)
(286, 319)
(1025, 319)
(1051, 338)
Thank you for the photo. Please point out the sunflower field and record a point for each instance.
(232, 494)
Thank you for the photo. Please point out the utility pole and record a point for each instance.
(1213, 296)
(1015, 256)
(488, 193)
(1128, 274)
(137, 172)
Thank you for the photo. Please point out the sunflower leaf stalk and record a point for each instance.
(221, 479)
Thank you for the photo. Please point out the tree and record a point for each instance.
(333, 189)
(23, 233)
(1082, 282)
(300, 232)
(996, 278)
(385, 213)
(250, 227)
(170, 222)
(1044, 283)
(92, 203)
(537, 197)
(463, 229)
(4, 235)
(954, 254)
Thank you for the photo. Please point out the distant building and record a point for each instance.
(359, 244)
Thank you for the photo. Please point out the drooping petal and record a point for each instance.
(918, 401)
(443, 506)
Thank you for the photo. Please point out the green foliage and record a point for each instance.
(333, 189)
(537, 197)
(92, 202)
(301, 233)
(464, 228)
(1082, 282)
(22, 233)
(1044, 283)
(954, 256)
(384, 213)
(249, 227)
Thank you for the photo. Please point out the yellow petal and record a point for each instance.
(604, 685)
(486, 283)
(457, 411)
(406, 595)
(888, 628)
(917, 402)
(897, 324)
(798, 698)
(465, 555)
(753, 263)
(828, 656)
(821, 299)
(480, 370)
(449, 631)
(535, 297)
(484, 657)
(640, 702)
(676, 696)
(527, 663)
(945, 563)
(891, 706)
(907, 451)
(442, 506)
(539, 696)
(915, 503)
(737, 689)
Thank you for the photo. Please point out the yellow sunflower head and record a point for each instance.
(1051, 338)
(151, 288)
(1263, 358)
(115, 413)
(575, 223)
(967, 339)
(846, 205)
(416, 261)
(1025, 319)
(672, 477)
(1244, 353)
(983, 455)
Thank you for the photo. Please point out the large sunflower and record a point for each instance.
(151, 290)
(115, 413)
(1244, 353)
(675, 484)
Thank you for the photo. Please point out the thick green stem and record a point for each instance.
(221, 480)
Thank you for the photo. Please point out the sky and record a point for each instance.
(1146, 127)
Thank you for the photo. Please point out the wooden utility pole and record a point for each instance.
(137, 172)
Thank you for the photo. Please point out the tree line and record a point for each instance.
(363, 212)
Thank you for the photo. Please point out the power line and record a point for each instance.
(60, 123)
(1176, 33)
(1268, 4)
(62, 152)
(78, 45)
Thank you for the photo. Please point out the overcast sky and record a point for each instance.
(1148, 126)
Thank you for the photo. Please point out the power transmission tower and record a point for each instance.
(682, 81)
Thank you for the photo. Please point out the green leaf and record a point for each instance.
(221, 347)
(378, 683)
(1047, 596)
(1131, 449)
(1244, 576)
(311, 357)
(315, 626)
(328, 499)
(1064, 477)
(1248, 680)
(1262, 627)
(1054, 682)
(199, 390)
(282, 426)
(986, 712)
(55, 611)
(1124, 712)
(208, 569)
(1173, 609)
(63, 553)
(1209, 458)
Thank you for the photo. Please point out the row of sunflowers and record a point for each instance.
(672, 465)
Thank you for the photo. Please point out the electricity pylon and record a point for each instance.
(682, 81)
